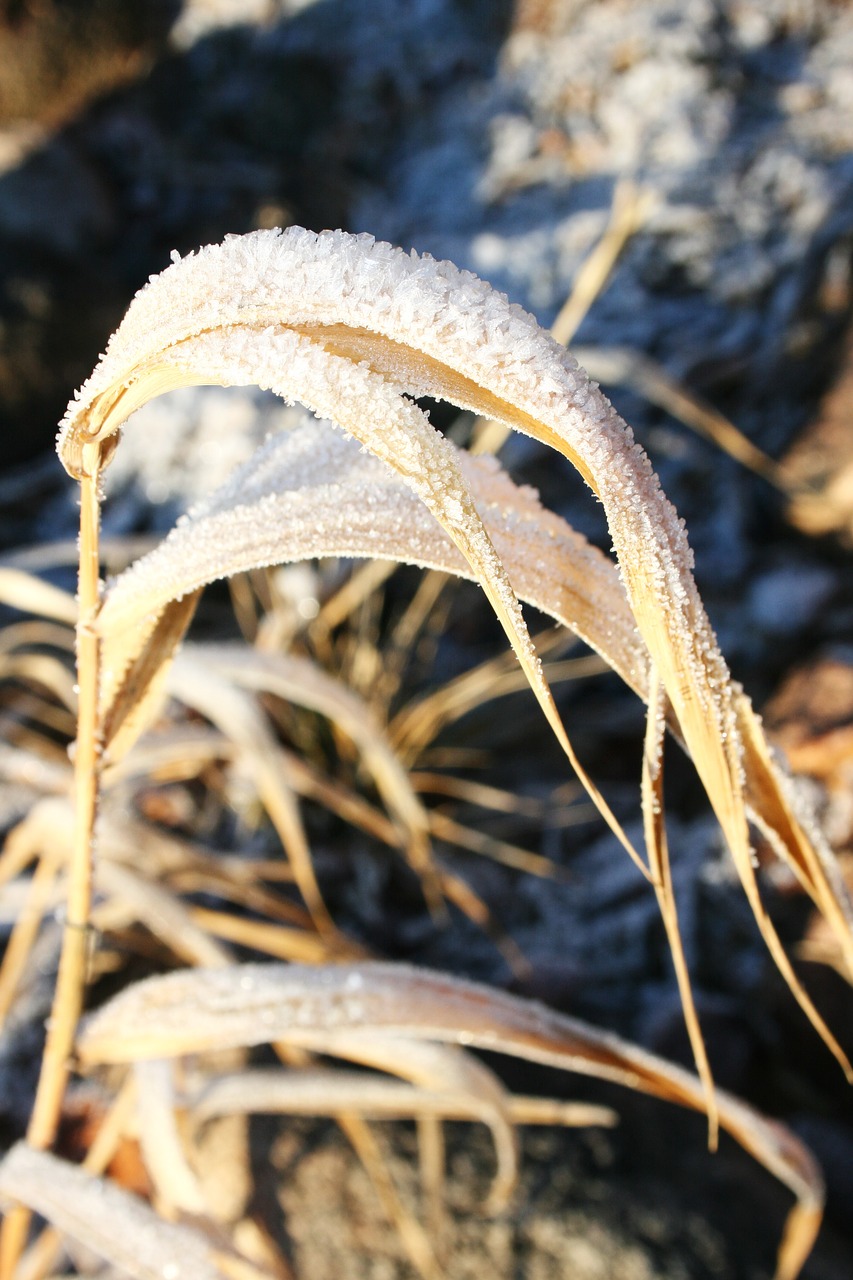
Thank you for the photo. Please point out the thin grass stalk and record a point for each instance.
(26, 928)
(71, 978)
(414, 1238)
(658, 851)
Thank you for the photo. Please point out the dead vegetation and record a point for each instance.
(354, 330)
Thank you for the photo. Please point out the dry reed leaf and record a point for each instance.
(30, 594)
(446, 828)
(236, 715)
(276, 940)
(175, 1182)
(352, 328)
(323, 1092)
(117, 1226)
(481, 794)
(41, 669)
(301, 682)
(198, 1011)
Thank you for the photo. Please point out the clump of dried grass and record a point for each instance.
(355, 331)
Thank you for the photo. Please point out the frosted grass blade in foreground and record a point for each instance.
(338, 321)
(208, 1010)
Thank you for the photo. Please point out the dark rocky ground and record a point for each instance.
(493, 134)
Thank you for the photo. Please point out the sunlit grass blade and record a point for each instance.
(311, 493)
(657, 846)
(199, 1011)
(24, 591)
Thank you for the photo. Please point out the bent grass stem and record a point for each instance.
(71, 978)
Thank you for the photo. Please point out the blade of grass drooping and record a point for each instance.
(200, 1011)
(336, 320)
(312, 490)
(570, 580)
(252, 533)
(657, 846)
(395, 429)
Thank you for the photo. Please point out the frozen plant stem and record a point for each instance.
(71, 979)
